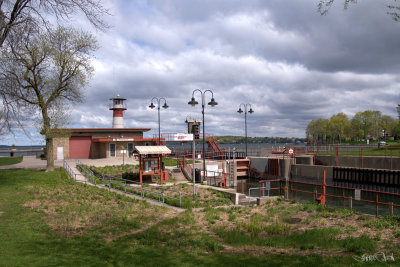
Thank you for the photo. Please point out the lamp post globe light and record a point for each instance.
(245, 106)
(212, 103)
(165, 106)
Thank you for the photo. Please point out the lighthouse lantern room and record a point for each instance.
(118, 107)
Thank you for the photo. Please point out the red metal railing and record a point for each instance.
(321, 195)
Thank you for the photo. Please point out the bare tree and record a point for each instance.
(393, 9)
(20, 16)
(43, 72)
(14, 13)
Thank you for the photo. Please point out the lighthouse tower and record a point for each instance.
(118, 108)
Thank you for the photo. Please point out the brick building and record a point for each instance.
(77, 143)
(99, 142)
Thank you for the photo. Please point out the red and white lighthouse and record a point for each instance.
(118, 108)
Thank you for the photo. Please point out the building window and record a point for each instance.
(112, 150)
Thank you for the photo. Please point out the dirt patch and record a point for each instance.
(261, 251)
(111, 237)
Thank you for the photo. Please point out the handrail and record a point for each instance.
(126, 184)
(69, 170)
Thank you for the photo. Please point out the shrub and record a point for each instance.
(131, 176)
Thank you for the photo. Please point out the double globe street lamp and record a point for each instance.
(245, 106)
(158, 100)
(212, 103)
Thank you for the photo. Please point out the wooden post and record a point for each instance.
(160, 169)
(377, 204)
(140, 168)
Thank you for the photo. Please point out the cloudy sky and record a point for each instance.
(281, 56)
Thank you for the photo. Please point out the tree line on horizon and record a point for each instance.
(368, 124)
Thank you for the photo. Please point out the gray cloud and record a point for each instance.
(283, 57)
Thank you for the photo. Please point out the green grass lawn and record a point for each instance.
(9, 160)
(46, 219)
(173, 161)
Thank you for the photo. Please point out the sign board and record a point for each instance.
(182, 137)
(122, 139)
(357, 194)
(124, 151)
(291, 151)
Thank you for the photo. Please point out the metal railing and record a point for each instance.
(131, 187)
(259, 189)
(320, 194)
(69, 170)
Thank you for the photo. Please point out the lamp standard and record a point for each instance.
(158, 100)
(245, 119)
(212, 103)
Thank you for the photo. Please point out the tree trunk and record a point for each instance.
(50, 155)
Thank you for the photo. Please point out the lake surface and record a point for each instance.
(18, 154)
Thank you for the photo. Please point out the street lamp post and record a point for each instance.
(158, 100)
(245, 118)
(212, 103)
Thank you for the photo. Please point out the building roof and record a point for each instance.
(103, 130)
(145, 150)
(124, 139)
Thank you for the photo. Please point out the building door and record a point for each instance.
(60, 152)
(112, 150)
(79, 147)
(130, 149)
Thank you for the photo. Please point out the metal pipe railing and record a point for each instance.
(141, 188)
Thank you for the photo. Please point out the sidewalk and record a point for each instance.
(31, 162)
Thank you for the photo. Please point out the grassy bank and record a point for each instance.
(9, 160)
(47, 219)
(384, 151)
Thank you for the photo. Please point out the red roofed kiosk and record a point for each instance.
(150, 161)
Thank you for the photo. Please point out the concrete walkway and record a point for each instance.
(32, 162)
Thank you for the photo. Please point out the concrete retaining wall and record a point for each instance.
(304, 160)
(312, 171)
(260, 164)
(369, 162)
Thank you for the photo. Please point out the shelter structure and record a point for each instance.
(150, 161)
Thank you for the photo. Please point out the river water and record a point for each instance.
(18, 154)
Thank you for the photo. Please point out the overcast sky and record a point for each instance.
(281, 56)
